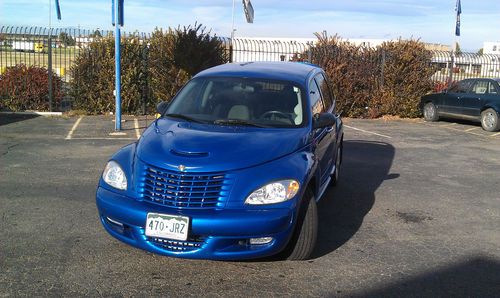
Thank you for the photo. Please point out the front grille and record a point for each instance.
(185, 190)
(176, 245)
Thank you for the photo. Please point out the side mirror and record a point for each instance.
(323, 120)
(162, 107)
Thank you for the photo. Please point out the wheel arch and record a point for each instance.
(496, 109)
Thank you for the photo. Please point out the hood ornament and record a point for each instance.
(181, 168)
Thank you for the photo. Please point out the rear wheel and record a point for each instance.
(303, 239)
(489, 120)
(430, 112)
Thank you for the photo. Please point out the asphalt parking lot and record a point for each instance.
(416, 213)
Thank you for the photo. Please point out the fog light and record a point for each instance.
(262, 240)
(114, 222)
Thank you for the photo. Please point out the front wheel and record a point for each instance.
(303, 239)
(489, 120)
(430, 112)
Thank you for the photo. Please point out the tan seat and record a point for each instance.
(240, 112)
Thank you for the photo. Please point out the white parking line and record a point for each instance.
(137, 132)
(496, 134)
(70, 133)
(447, 125)
(471, 129)
(369, 132)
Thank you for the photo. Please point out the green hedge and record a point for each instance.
(153, 69)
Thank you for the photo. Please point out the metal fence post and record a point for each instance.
(450, 75)
(49, 68)
(231, 52)
(382, 69)
(145, 65)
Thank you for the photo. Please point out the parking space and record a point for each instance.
(416, 213)
(73, 128)
(440, 127)
(102, 128)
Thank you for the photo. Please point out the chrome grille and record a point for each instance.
(184, 190)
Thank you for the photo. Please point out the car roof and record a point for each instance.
(484, 79)
(286, 71)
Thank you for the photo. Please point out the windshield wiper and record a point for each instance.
(237, 122)
(184, 117)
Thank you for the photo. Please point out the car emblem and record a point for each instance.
(181, 168)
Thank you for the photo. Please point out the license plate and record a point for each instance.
(167, 226)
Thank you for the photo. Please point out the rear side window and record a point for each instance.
(315, 97)
(492, 89)
(326, 92)
(461, 87)
(480, 87)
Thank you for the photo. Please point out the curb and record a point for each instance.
(33, 113)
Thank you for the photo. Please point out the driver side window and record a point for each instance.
(315, 98)
(460, 87)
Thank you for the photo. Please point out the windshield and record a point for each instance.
(239, 101)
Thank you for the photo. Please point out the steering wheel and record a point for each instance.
(276, 114)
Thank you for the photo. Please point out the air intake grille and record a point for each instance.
(175, 245)
(184, 190)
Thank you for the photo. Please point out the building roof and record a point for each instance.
(288, 71)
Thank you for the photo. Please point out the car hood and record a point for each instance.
(212, 148)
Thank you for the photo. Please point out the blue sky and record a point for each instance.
(430, 20)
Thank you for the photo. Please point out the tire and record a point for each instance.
(338, 162)
(304, 237)
(430, 112)
(489, 120)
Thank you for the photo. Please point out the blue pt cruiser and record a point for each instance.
(232, 169)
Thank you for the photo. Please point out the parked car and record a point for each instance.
(232, 169)
(470, 99)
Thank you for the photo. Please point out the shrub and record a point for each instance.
(153, 69)
(353, 70)
(372, 82)
(407, 76)
(26, 88)
(94, 75)
(176, 55)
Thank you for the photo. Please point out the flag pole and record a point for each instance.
(232, 26)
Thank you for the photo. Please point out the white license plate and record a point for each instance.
(167, 226)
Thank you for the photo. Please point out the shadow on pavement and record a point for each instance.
(342, 210)
(12, 118)
(477, 277)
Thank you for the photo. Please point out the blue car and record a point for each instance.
(233, 168)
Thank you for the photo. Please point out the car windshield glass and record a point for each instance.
(240, 102)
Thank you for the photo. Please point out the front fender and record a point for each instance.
(125, 157)
(298, 165)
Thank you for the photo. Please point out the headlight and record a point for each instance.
(275, 192)
(114, 175)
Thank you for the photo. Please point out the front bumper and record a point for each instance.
(213, 234)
